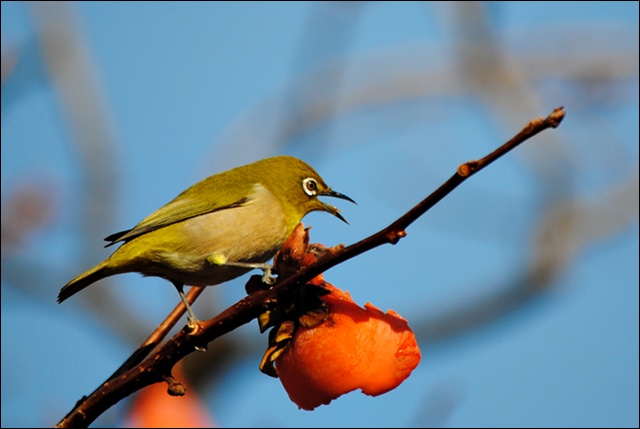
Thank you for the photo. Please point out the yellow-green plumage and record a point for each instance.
(242, 215)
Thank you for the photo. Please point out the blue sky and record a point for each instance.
(385, 100)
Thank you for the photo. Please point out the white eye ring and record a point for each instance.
(310, 186)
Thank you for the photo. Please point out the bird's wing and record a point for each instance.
(194, 201)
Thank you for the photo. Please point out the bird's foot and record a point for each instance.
(266, 268)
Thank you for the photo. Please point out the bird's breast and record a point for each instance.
(252, 232)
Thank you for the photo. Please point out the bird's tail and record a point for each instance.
(96, 273)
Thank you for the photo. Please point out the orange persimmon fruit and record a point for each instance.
(153, 407)
(353, 348)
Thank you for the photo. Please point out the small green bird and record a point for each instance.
(217, 229)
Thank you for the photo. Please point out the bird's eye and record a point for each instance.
(310, 186)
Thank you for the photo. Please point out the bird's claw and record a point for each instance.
(266, 275)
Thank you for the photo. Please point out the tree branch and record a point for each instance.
(157, 367)
(159, 333)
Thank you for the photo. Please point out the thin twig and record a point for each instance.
(157, 367)
(150, 343)
(159, 333)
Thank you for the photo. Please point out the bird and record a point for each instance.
(217, 229)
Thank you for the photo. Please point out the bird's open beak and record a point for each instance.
(331, 209)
